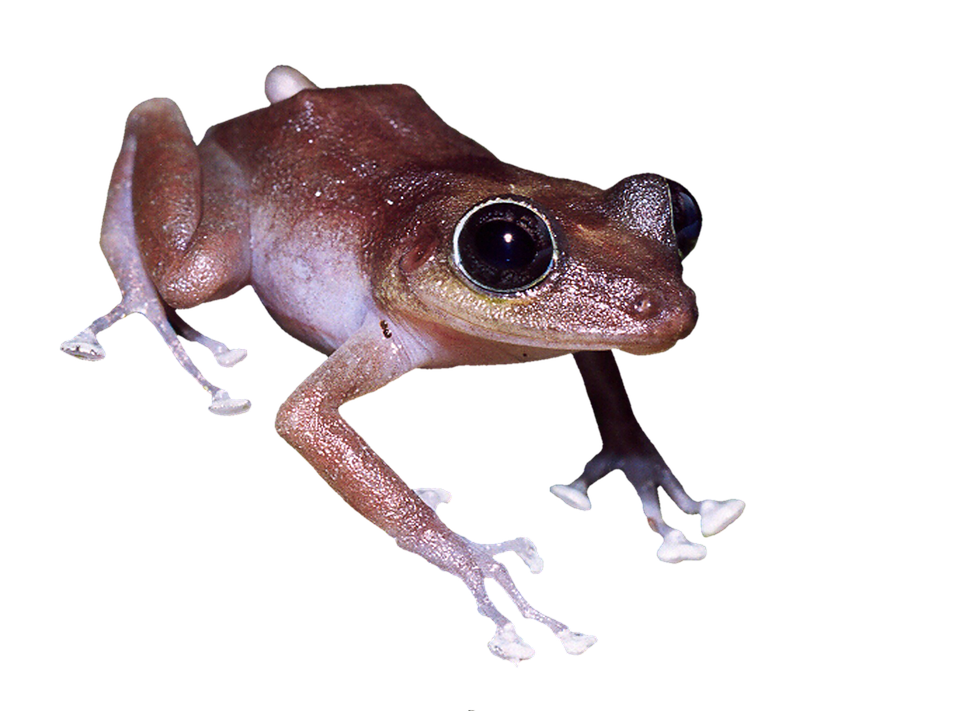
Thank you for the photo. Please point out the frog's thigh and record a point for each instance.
(190, 209)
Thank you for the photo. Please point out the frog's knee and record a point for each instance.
(153, 115)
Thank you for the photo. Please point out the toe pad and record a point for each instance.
(717, 515)
(84, 347)
(231, 358)
(575, 643)
(571, 496)
(676, 548)
(507, 645)
(434, 497)
(225, 406)
(528, 554)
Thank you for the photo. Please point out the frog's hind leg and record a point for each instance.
(139, 295)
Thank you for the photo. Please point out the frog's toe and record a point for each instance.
(576, 642)
(676, 548)
(223, 404)
(230, 358)
(222, 353)
(528, 554)
(572, 495)
(84, 346)
(717, 515)
(507, 644)
(434, 497)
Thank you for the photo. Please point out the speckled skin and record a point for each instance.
(338, 206)
(371, 181)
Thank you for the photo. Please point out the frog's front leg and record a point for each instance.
(626, 447)
(310, 421)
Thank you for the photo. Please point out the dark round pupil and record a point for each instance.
(504, 245)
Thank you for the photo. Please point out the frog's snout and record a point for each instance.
(674, 318)
(684, 314)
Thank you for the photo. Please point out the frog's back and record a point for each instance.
(355, 133)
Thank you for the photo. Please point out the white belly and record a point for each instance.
(311, 284)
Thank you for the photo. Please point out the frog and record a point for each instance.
(388, 241)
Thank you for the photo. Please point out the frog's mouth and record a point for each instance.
(573, 310)
(636, 337)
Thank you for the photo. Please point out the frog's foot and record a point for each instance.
(714, 517)
(86, 347)
(474, 563)
(169, 325)
(506, 643)
(648, 473)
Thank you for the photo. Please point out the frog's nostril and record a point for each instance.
(647, 306)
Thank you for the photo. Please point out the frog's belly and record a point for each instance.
(311, 285)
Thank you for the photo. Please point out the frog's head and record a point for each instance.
(560, 265)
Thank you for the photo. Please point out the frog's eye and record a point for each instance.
(686, 218)
(504, 246)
